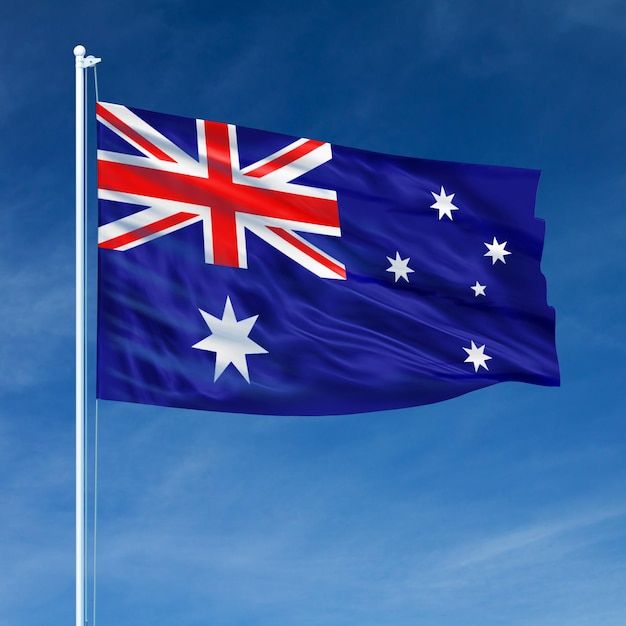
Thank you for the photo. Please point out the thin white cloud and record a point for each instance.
(512, 542)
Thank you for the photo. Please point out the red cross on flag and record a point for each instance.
(176, 189)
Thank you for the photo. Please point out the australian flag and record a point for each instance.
(248, 271)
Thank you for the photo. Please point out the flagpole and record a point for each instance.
(79, 54)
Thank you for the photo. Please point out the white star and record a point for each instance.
(229, 340)
(400, 267)
(443, 203)
(497, 251)
(478, 289)
(477, 356)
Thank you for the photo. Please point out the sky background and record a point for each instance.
(503, 507)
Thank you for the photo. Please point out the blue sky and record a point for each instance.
(506, 506)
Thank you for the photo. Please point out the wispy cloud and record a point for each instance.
(512, 546)
(36, 316)
(280, 541)
(607, 15)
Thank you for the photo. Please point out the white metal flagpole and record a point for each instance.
(81, 63)
(79, 53)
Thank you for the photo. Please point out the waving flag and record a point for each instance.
(248, 271)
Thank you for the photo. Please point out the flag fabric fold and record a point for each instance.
(248, 271)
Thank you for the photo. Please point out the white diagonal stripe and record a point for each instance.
(259, 226)
(279, 153)
(278, 184)
(145, 130)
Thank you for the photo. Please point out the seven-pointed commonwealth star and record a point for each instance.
(229, 340)
(443, 203)
(476, 356)
(478, 289)
(497, 251)
(400, 267)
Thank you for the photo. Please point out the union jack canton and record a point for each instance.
(248, 271)
(212, 188)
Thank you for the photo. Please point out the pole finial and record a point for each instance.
(79, 51)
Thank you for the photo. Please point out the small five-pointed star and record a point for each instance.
(497, 251)
(478, 289)
(476, 356)
(229, 340)
(443, 203)
(400, 267)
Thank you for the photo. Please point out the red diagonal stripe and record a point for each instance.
(105, 114)
(285, 159)
(314, 254)
(144, 231)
